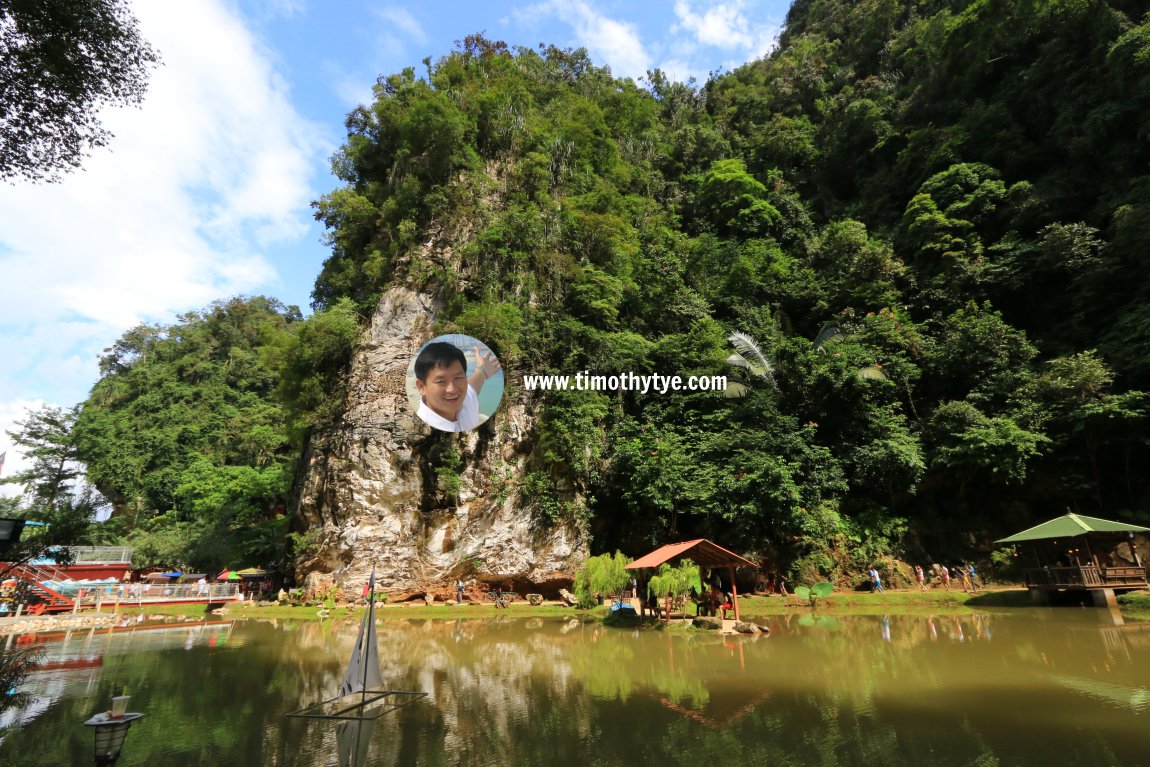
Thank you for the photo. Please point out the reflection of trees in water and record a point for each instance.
(832, 694)
(564, 693)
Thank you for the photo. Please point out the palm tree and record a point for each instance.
(750, 357)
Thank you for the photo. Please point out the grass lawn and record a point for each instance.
(384, 611)
(888, 602)
(891, 602)
(752, 606)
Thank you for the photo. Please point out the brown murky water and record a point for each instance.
(1041, 687)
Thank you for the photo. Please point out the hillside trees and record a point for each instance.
(59, 505)
(930, 215)
(868, 202)
(193, 429)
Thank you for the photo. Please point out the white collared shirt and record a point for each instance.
(467, 418)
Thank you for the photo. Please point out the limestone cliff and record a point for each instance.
(374, 485)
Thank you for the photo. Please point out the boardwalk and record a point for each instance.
(143, 595)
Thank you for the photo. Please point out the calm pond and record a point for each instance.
(1035, 687)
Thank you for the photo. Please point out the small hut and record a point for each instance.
(703, 553)
(1078, 553)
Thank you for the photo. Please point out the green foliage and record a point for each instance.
(735, 202)
(314, 361)
(61, 65)
(447, 472)
(16, 662)
(675, 581)
(967, 441)
(605, 575)
(930, 218)
(62, 509)
(185, 431)
(814, 593)
(541, 494)
(571, 436)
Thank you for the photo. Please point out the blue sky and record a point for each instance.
(205, 191)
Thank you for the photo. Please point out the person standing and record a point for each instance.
(459, 585)
(970, 571)
(944, 575)
(875, 580)
(920, 576)
(966, 584)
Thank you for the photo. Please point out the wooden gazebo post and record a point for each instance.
(734, 591)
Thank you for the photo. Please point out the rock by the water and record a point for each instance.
(372, 487)
(707, 622)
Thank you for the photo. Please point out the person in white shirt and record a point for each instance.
(448, 399)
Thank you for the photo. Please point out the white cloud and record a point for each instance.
(180, 210)
(403, 22)
(702, 34)
(743, 29)
(677, 70)
(722, 25)
(609, 41)
(353, 90)
(286, 8)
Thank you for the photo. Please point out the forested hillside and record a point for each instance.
(931, 217)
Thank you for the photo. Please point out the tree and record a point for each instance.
(46, 436)
(60, 63)
(675, 582)
(186, 436)
(604, 575)
(61, 510)
(748, 355)
(15, 664)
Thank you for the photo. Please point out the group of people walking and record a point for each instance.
(966, 573)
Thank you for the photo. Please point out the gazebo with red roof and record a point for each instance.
(703, 553)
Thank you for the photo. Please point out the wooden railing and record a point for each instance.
(111, 555)
(1123, 576)
(142, 593)
(1085, 577)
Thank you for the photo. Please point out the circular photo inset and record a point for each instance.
(454, 382)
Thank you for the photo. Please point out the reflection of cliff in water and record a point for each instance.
(845, 692)
(1039, 688)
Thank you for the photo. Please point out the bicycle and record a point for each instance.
(500, 598)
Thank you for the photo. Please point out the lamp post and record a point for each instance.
(111, 730)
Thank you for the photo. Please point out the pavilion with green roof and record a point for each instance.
(1079, 553)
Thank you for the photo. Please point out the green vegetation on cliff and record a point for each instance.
(194, 429)
(930, 217)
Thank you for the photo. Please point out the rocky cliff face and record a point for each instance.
(382, 490)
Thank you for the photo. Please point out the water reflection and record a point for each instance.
(1042, 687)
